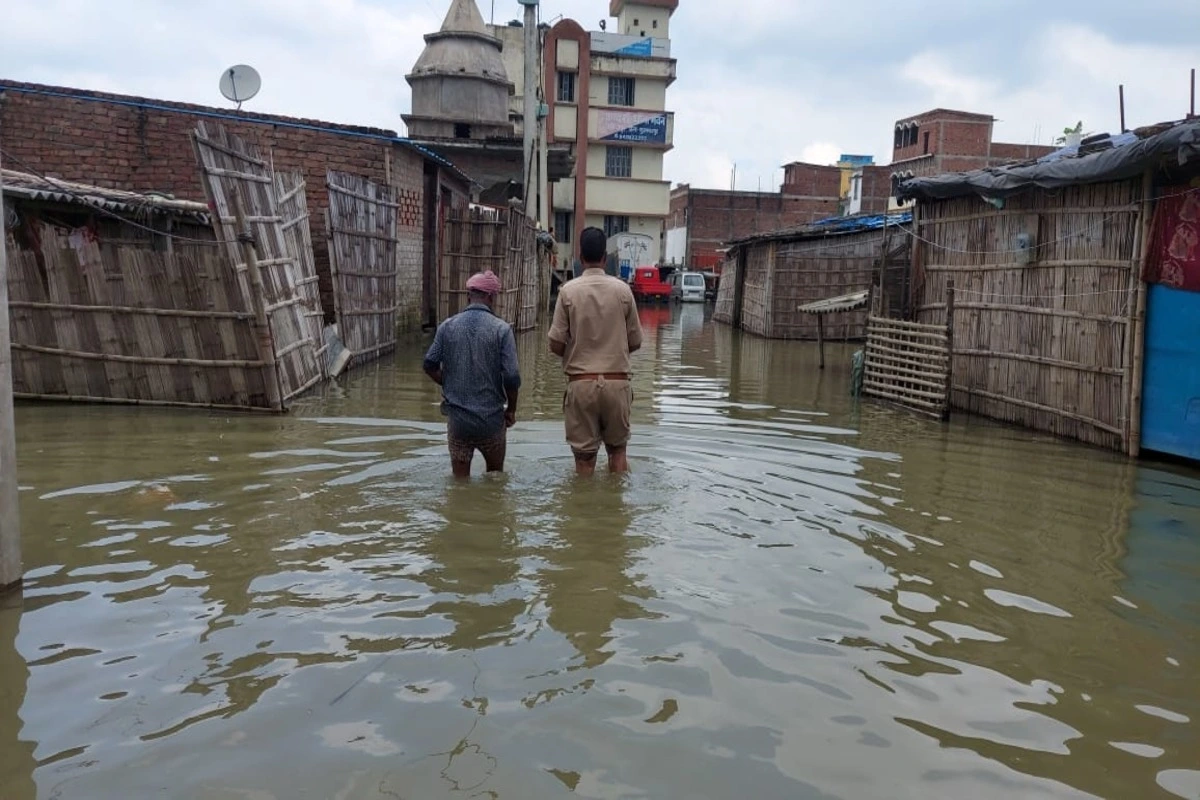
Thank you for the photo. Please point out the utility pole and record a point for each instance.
(529, 126)
(10, 528)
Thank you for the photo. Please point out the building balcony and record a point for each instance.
(630, 197)
(655, 69)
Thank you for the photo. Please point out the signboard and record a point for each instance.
(641, 47)
(643, 127)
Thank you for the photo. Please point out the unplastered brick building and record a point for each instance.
(944, 140)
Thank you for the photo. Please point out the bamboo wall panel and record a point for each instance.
(235, 174)
(502, 240)
(815, 269)
(1039, 340)
(297, 236)
(726, 291)
(784, 274)
(363, 251)
(908, 364)
(95, 321)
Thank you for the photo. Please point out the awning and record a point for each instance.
(845, 302)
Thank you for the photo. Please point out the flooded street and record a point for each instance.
(793, 595)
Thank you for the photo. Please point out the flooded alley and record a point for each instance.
(793, 595)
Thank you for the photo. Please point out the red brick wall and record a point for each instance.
(144, 145)
(1003, 151)
(719, 216)
(812, 180)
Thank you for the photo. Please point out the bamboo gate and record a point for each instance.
(102, 322)
(361, 225)
(909, 363)
(241, 190)
(504, 241)
(1048, 293)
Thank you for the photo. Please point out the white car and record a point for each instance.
(687, 287)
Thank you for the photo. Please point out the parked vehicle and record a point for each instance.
(647, 285)
(688, 287)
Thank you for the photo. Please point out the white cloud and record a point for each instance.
(761, 82)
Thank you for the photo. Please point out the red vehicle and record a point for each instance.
(647, 284)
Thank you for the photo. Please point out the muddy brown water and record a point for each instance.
(792, 596)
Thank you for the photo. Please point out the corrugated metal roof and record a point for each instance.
(34, 187)
(845, 302)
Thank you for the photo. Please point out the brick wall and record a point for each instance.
(720, 216)
(144, 145)
(812, 180)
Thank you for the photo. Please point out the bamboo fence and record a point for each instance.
(241, 191)
(504, 241)
(909, 363)
(1041, 334)
(96, 321)
(363, 246)
(784, 272)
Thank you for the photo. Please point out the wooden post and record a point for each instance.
(262, 324)
(1137, 322)
(949, 349)
(10, 520)
(821, 337)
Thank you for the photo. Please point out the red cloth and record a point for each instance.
(1174, 256)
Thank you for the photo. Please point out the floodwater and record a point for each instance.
(792, 596)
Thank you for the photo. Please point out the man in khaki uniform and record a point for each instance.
(595, 329)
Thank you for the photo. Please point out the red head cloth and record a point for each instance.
(485, 282)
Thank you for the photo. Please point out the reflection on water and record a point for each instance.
(792, 596)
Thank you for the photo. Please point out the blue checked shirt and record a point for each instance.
(477, 353)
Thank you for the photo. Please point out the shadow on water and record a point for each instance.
(793, 595)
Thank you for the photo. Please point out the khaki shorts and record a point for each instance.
(595, 412)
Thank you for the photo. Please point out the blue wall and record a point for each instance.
(1171, 384)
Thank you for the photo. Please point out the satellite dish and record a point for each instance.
(240, 83)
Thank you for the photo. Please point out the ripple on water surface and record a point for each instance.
(792, 596)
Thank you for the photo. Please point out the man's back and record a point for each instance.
(596, 319)
(477, 354)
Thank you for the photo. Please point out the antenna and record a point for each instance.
(240, 83)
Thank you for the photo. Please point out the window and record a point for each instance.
(566, 87)
(927, 142)
(462, 130)
(614, 224)
(620, 91)
(618, 162)
(654, 24)
(563, 227)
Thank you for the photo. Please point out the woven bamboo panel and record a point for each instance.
(502, 240)
(908, 363)
(93, 320)
(1040, 342)
(363, 250)
(297, 236)
(232, 167)
(726, 290)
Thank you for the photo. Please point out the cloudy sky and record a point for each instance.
(761, 82)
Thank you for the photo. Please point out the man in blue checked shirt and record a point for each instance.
(474, 359)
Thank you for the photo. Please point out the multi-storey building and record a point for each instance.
(607, 95)
(943, 140)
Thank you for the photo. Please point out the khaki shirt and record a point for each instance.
(596, 318)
